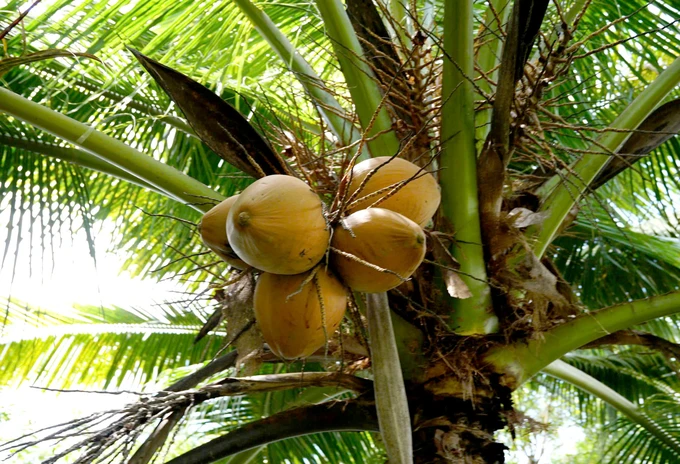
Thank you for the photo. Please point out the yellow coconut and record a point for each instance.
(277, 225)
(293, 325)
(418, 200)
(380, 237)
(213, 230)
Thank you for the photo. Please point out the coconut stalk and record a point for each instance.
(458, 176)
(75, 156)
(400, 16)
(339, 416)
(569, 16)
(166, 179)
(488, 58)
(575, 182)
(388, 383)
(390, 393)
(305, 398)
(523, 360)
(245, 457)
(329, 107)
(563, 371)
(363, 88)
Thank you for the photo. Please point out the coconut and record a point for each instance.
(277, 225)
(290, 315)
(213, 231)
(418, 200)
(381, 238)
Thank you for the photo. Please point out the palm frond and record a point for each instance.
(646, 431)
(97, 347)
(601, 246)
(632, 444)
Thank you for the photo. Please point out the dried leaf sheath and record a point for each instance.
(216, 122)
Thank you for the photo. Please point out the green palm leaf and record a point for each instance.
(97, 347)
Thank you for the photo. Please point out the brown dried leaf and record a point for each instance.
(216, 122)
(542, 282)
(213, 321)
(523, 217)
(455, 286)
(661, 125)
(448, 444)
(531, 14)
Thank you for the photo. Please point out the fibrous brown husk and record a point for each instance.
(242, 332)
(455, 286)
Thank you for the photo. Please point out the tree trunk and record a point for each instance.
(450, 429)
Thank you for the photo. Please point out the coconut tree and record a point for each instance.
(552, 262)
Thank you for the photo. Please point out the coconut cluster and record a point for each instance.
(278, 226)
